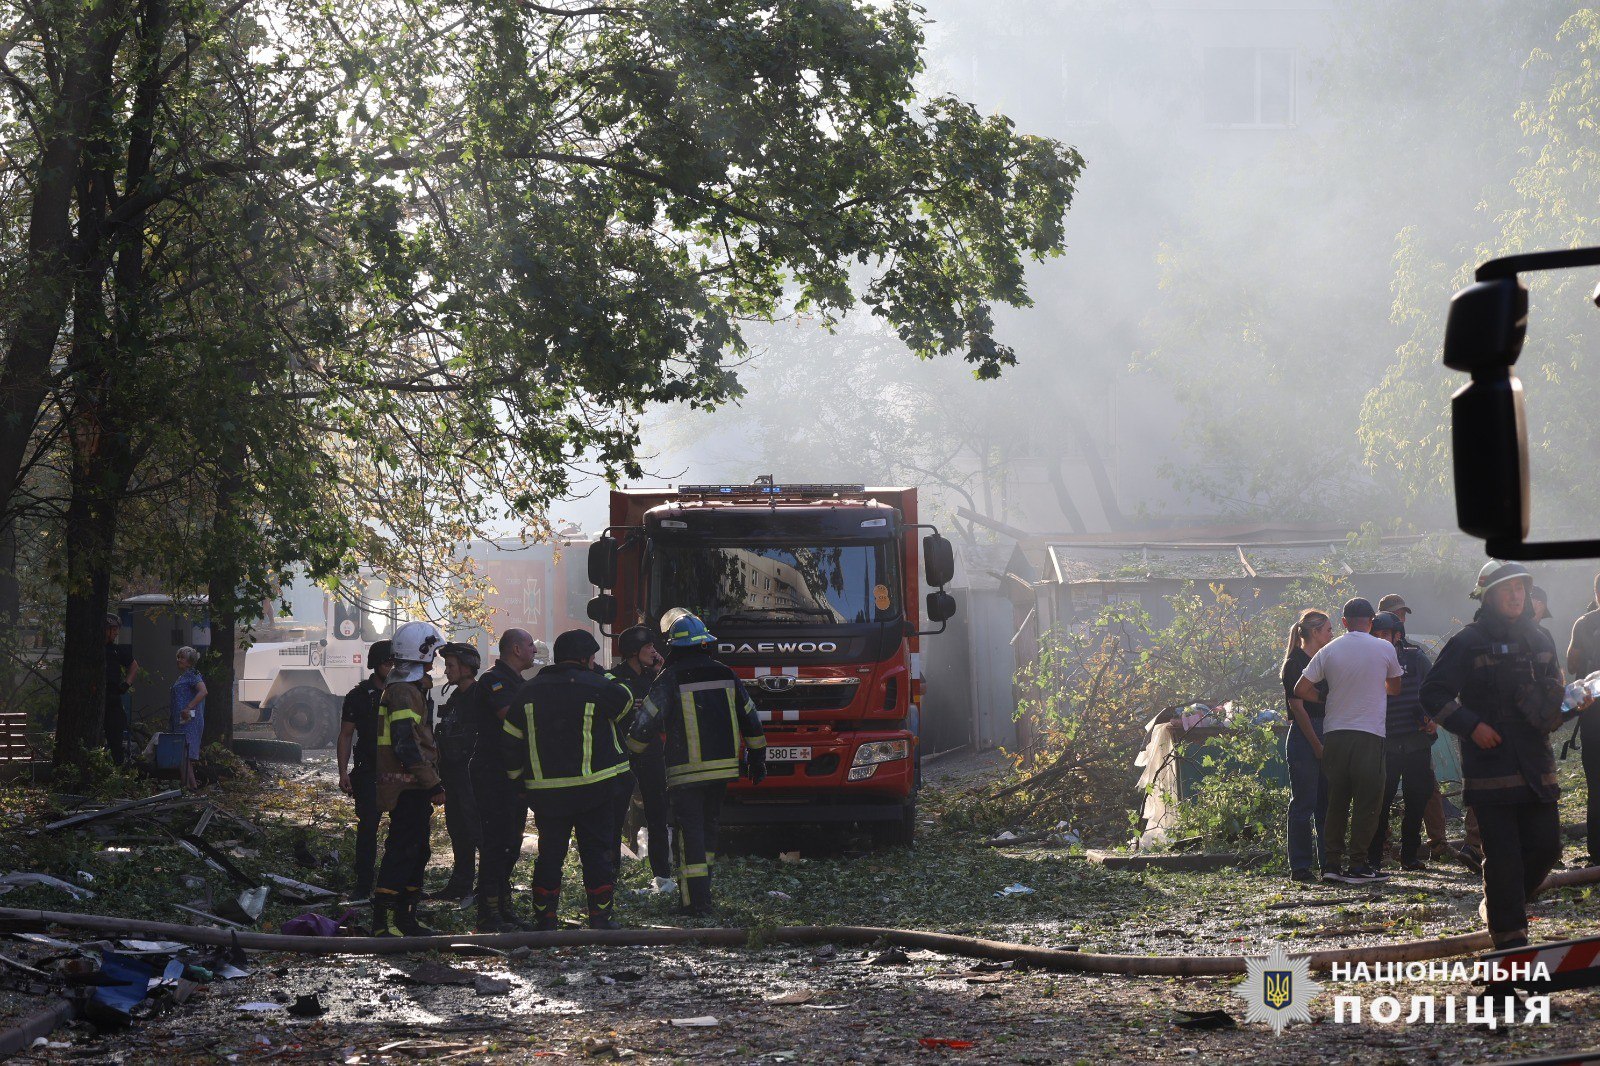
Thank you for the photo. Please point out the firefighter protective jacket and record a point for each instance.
(560, 730)
(407, 755)
(1502, 672)
(704, 713)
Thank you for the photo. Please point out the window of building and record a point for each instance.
(1250, 87)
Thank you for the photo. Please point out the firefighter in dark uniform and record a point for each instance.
(706, 719)
(408, 781)
(1497, 685)
(358, 733)
(641, 662)
(454, 734)
(502, 806)
(561, 745)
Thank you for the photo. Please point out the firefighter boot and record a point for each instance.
(600, 908)
(406, 916)
(385, 902)
(489, 920)
(508, 912)
(544, 906)
(694, 890)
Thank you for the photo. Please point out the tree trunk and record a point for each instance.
(1064, 496)
(91, 526)
(224, 579)
(49, 274)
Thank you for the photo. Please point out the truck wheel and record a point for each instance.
(900, 833)
(306, 716)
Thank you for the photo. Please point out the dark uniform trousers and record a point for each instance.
(589, 812)
(1589, 739)
(364, 790)
(1521, 845)
(406, 849)
(621, 804)
(502, 810)
(1408, 764)
(461, 811)
(696, 810)
(650, 774)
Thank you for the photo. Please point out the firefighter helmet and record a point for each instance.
(1495, 572)
(415, 645)
(541, 653)
(684, 629)
(634, 640)
(465, 654)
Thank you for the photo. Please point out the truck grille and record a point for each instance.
(295, 651)
(806, 694)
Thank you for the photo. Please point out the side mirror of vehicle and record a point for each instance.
(603, 563)
(938, 561)
(602, 609)
(941, 606)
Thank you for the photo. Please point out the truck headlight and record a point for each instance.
(881, 751)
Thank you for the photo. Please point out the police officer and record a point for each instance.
(408, 781)
(502, 805)
(358, 730)
(703, 713)
(562, 746)
(641, 662)
(1497, 685)
(454, 734)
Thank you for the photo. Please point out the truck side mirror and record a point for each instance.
(602, 609)
(1489, 445)
(603, 563)
(941, 606)
(938, 562)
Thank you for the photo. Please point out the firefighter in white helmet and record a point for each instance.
(408, 781)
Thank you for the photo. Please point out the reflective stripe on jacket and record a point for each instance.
(407, 755)
(560, 731)
(707, 718)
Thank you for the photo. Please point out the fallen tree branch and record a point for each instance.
(973, 947)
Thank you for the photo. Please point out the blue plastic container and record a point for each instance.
(169, 751)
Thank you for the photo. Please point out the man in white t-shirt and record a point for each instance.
(1362, 672)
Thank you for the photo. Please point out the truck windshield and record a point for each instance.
(762, 585)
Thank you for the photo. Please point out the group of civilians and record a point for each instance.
(1366, 708)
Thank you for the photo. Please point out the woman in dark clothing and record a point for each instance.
(1308, 800)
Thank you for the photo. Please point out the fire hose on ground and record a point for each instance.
(1053, 959)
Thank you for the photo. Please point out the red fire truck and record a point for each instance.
(812, 593)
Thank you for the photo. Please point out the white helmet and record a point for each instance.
(415, 645)
(541, 653)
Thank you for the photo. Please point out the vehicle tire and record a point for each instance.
(267, 750)
(306, 716)
(900, 833)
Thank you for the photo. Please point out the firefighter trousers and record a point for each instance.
(406, 849)
(364, 790)
(502, 819)
(1521, 845)
(650, 775)
(589, 813)
(695, 812)
(460, 817)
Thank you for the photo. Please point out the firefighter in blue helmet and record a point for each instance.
(707, 720)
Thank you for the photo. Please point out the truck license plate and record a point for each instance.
(789, 754)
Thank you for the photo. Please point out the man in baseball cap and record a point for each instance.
(1395, 605)
(1362, 671)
